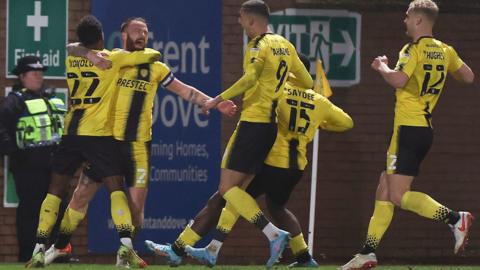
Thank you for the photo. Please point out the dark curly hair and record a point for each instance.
(89, 30)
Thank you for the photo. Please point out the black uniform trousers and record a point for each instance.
(32, 174)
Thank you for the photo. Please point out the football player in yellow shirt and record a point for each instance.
(419, 78)
(300, 112)
(268, 60)
(88, 138)
(134, 91)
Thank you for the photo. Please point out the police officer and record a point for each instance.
(31, 125)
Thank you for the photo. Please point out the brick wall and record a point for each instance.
(350, 163)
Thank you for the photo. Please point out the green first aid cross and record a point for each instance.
(37, 28)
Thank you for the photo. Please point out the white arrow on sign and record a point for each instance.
(345, 48)
(37, 21)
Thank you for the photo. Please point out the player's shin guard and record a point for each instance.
(187, 238)
(299, 248)
(136, 230)
(246, 206)
(69, 224)
(121, 216)
(425, 206)
(48, 217)
(379, 223)
(228, 218)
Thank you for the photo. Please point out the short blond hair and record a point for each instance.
(426, 7)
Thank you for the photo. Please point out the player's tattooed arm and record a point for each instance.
(192, 97)
(197, 97)
(187, 92)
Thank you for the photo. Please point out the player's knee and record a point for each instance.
(135, 208)
(82, 194)
(396, 197)
(80, 198)
(113, 183)
(79, 203)
(59, 185)
(223, 188)
(275, 207)
(216, 201)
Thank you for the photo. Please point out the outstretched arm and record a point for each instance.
(98, 59)
(197, 97)
(121, 58)
(246, 82)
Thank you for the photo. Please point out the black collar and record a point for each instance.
(420, 38)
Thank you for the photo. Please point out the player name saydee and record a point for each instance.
(300, 93)
(280, 51)
(137, 84)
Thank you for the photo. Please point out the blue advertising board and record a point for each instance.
(185, 154)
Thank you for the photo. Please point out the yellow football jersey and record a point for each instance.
(300, 112)
(136, 88)
(426, 63)
(277, 57)
(90, 92)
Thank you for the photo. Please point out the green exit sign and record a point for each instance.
(330, 35)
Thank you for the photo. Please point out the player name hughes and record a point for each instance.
(434, 55)
(136, 84)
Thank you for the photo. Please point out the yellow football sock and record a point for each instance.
(187, 238)
(228, 218)
(243, 203)
(297, 245)
(121, 216)
(424, 205)
(48, 216)
(379, 222)
(135, 231)
(70, 221)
